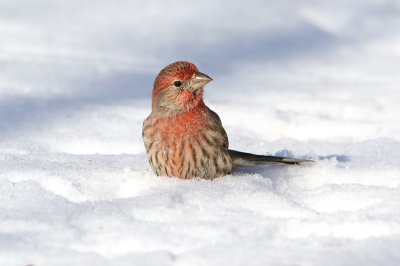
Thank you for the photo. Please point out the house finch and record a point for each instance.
(183, 137)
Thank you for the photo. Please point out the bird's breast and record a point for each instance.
(185, 146)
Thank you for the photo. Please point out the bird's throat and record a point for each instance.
(191, 100)
(188, 123)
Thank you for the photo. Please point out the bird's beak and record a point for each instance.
(198, 81)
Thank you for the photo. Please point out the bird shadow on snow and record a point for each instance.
(24, 113)
(338, 157)
(20, 114)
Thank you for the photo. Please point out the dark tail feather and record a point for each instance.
(243, 159)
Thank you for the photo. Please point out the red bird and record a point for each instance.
(183, 137)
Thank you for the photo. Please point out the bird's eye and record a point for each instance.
(177, 83)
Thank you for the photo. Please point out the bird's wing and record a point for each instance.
(216, 125)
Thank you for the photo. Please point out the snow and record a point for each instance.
(311, 79)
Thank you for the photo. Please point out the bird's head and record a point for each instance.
(178, 88)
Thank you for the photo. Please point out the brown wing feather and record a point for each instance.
(217, 124)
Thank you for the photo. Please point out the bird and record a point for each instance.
(183, 137)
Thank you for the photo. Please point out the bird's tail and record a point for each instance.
(243, 159)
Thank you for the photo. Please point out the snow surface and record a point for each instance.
(311, 79)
